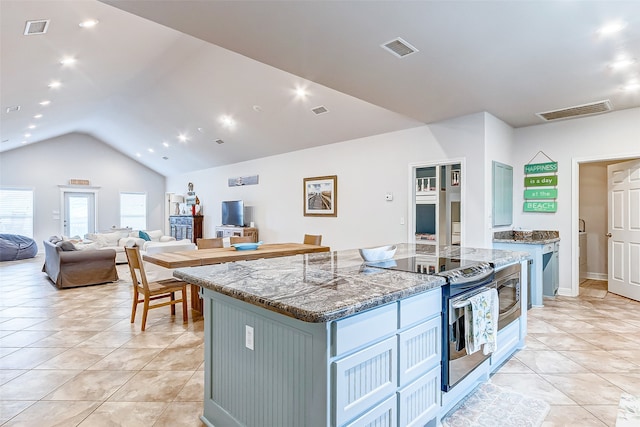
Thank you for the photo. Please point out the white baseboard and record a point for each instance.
(595, 276)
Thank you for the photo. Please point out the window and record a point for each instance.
(133, 210)
(16, 211)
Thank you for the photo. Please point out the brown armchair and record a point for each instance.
(69, 269)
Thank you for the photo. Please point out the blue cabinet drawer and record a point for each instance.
(355, 331)
(420, 307)
(363, 379)
(419, 350)
(383, 415)
(419, 402)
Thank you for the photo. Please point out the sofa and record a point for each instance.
(68, 267)
(151, 241)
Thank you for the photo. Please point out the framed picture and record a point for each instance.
(321, 196)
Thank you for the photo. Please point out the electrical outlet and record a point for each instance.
(401, 220)
(248, 337)
(388, 197)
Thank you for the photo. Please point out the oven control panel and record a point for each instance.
(473, 273)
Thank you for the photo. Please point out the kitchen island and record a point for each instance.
(325, 340)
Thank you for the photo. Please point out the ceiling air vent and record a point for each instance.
(577, 111)
(319, 110)
(36, 27)
(399, 47)
(219, 141)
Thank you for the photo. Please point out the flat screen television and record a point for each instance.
(233, 213)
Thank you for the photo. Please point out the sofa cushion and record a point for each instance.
(105, 239)
(155, 235)
(144, 235)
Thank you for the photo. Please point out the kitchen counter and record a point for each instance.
(330, 286)
(531, 237)
(286, 339)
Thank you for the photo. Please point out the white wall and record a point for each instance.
(614, 135)
(46, 165)
(367, 169)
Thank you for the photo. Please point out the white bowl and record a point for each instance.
(381, 253)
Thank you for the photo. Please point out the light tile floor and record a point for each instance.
(72, 358)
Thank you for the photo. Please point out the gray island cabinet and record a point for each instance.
(320, 340)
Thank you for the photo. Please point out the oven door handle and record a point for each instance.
(463, 300)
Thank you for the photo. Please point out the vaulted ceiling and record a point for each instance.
(223, 74)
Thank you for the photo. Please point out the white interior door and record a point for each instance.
(79, 213)
(624, 229)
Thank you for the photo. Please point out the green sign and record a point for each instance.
(541, 181)
(541, 193)
(540, 206)
(541, 168)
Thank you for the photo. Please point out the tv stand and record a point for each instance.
(230, 230)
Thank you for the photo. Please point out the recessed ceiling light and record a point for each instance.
(632, 86)
(622, 63)
(166, 144)
(32, 126)
(45, 102)
(150, 150)
(301, 92)
(27, 135)
(612, 28)
(183, 138)
(227, 121)
(138, 155)
(201, 130)
(23, 142)
(257, 109)
(68, 60)
(89, 23)
(54, 84)
(37, 116)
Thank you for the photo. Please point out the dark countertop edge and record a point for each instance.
(310, 316)
(528, 242)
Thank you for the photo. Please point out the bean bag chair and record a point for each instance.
(14, 247)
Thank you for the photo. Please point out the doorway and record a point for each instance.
(79, 212)
(435, 203)
(590, 223)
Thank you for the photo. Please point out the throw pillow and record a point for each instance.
(66, 245)
(144, 236)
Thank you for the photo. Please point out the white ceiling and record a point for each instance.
(137, 84)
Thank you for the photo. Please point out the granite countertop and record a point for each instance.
(328, 286)
(530, 237)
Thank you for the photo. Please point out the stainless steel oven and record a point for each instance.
(509, 288)
(464, 279)
(463, 284)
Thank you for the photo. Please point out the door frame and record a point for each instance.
(575, 210)
(75, 189)
(411, 202)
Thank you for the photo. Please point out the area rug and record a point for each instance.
(628, 411)
(492, 406)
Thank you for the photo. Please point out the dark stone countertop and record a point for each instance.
(328, 286)
(530, 237)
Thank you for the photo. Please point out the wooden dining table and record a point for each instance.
(200, 257)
